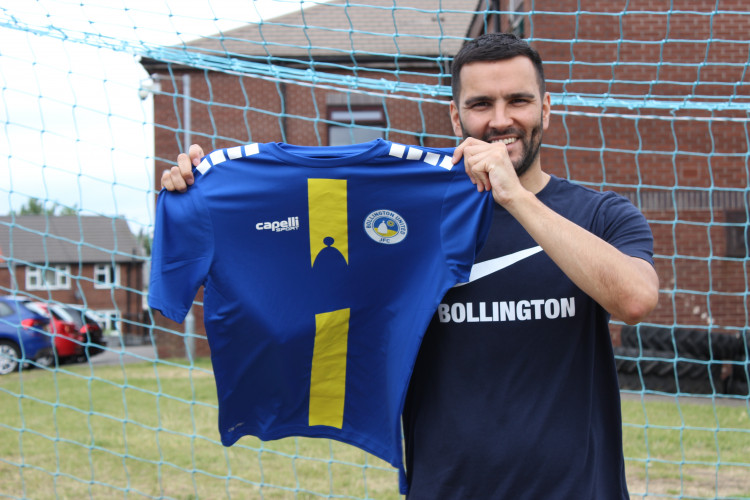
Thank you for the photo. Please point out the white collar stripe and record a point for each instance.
(432, 158)
(447, 162)
(204, 166)
(252, 149)
(397, 150)
(234, 153)
(217, 156)
(414, 154)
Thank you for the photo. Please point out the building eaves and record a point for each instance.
(341, 29)
(69, 239)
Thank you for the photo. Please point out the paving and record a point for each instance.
(116, 354)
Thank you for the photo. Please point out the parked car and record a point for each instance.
(69, 341)
(90, 327)
(25, 336)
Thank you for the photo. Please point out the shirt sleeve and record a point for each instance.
(181, 252)
(466, 220)
(627, 229)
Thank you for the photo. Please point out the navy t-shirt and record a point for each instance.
(322, 268)
(514, 394)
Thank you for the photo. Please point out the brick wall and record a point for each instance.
(666, 166)
(236, 110)
(82, 292)
(686, 173)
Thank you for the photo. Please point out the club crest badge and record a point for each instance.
(386, 226)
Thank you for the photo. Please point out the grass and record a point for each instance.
(687, 447)
(148, 430)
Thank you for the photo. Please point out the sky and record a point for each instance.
(76, 132)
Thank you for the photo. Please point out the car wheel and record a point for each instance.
(46, 361)
(9, 356)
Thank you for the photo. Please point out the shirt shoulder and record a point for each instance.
(607, 214)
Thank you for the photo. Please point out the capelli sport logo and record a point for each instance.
(386, 226)
(290, 224)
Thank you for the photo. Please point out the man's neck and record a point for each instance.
(535, 179)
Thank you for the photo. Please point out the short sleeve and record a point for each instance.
(465, 222)
(626, 228)
(181, 253)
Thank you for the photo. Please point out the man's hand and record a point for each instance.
(179, 177)
(489, 168)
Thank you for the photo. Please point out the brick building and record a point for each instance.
(684, 166)
(649, 128)
(92, 262)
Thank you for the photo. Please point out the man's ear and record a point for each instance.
(455, 120)
(546, 109)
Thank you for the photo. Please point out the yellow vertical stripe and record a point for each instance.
(328, 374)
(326, 202)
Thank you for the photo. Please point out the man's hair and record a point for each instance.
(494, 47)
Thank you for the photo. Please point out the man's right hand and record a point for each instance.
(179, 177)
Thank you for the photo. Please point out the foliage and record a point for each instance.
(35, 206)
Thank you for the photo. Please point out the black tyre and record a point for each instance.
(650, 369)
(685, 343)
(9, 356)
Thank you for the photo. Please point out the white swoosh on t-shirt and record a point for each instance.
(482, 269)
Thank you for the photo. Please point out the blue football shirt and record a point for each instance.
(322, 267)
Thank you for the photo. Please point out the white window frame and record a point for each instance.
(110, 320)
(106, 275)
(48, 278)
(355, 124)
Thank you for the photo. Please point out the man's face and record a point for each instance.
(500, 101)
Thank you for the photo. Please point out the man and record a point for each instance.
(514, 394)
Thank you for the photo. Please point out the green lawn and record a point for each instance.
(691, 447)
(149, 430)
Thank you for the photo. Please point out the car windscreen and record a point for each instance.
(60, 313)
(36, 309)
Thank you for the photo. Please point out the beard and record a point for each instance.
(531, 142)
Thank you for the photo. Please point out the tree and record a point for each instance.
(35, 206)
(146, 240)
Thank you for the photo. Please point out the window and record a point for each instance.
(516, 17)
(736, 233)
(5, 310)
(59, 313)
(48, 278)
(106, 275)
(354, 125)
(110, 320)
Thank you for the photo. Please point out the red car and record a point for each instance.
(89, 325)
(69, 341)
